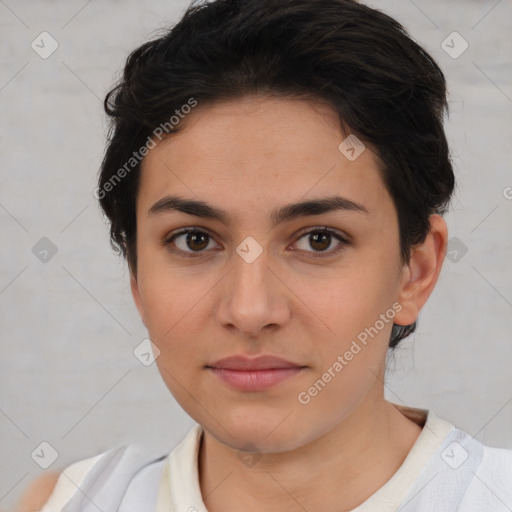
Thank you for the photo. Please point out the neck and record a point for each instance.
(335, 473)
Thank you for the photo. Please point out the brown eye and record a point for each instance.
(189, 242)
(197, 241)
(320, 240)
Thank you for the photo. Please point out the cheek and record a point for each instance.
(350, 306)
(163, 307)
(175, 315)
(353, 351)
(347, 300)
(165, 292)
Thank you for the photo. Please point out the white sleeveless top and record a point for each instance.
(445, 471)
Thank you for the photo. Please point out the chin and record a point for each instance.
(266, 435)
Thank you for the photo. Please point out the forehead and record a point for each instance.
(256, 152)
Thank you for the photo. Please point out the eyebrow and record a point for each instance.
(284, 214)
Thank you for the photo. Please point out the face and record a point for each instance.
(306, 289)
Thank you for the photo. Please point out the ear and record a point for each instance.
(419, 277)
(134, 285)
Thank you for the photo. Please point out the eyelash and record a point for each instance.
(318, 254)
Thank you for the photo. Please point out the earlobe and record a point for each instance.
(419, 277)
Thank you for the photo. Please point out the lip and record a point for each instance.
(255, 380)
(254, 374)
(264, 362)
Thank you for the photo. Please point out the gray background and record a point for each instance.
(68, 325)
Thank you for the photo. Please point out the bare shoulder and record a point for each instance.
(38, 492)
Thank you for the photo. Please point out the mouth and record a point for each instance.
(255, 380)
(254, 374)
(263, 362)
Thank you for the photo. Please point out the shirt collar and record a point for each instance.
(179, 488)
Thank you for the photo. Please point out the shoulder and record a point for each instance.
(490, 487)
(495, 462)
(49, 493)
(38, 492)
(498, 459)
(462, 474)
(496, 468)
(102, 479)
(53, 488)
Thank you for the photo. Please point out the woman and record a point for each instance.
(276, 177)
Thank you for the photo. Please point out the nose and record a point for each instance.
(254, 298)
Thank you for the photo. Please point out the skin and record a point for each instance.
(37, 493)
(249, 157)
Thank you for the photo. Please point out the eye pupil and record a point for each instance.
(321, 238)
(192, 238)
